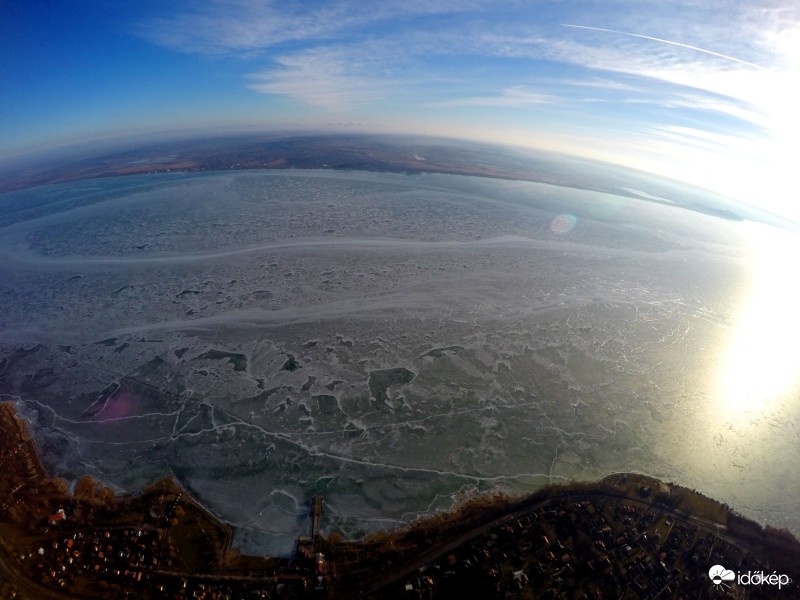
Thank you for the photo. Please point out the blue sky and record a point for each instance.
(702, 91)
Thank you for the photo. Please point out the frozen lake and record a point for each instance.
(389, 341)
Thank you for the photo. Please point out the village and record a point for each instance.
(586, 549)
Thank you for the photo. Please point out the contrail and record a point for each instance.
(663, 41)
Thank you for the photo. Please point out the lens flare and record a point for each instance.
(563, 223)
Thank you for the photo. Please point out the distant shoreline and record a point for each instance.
(380, 154)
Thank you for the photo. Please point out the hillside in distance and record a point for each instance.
(381, 153)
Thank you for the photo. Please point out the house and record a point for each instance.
(57, 517)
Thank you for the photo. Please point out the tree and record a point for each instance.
(335, 537)
(60, 486)
(107, 496)
(85, 488)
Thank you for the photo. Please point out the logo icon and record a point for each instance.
(720, 575)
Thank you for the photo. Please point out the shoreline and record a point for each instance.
(169, 540)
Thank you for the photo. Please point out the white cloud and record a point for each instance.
(232, 26)
(326, 78)
(341, 55)
(706, 46)
(693, 136)
(603, 84)
(721, 105)
(726, 57)
(511, 97)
